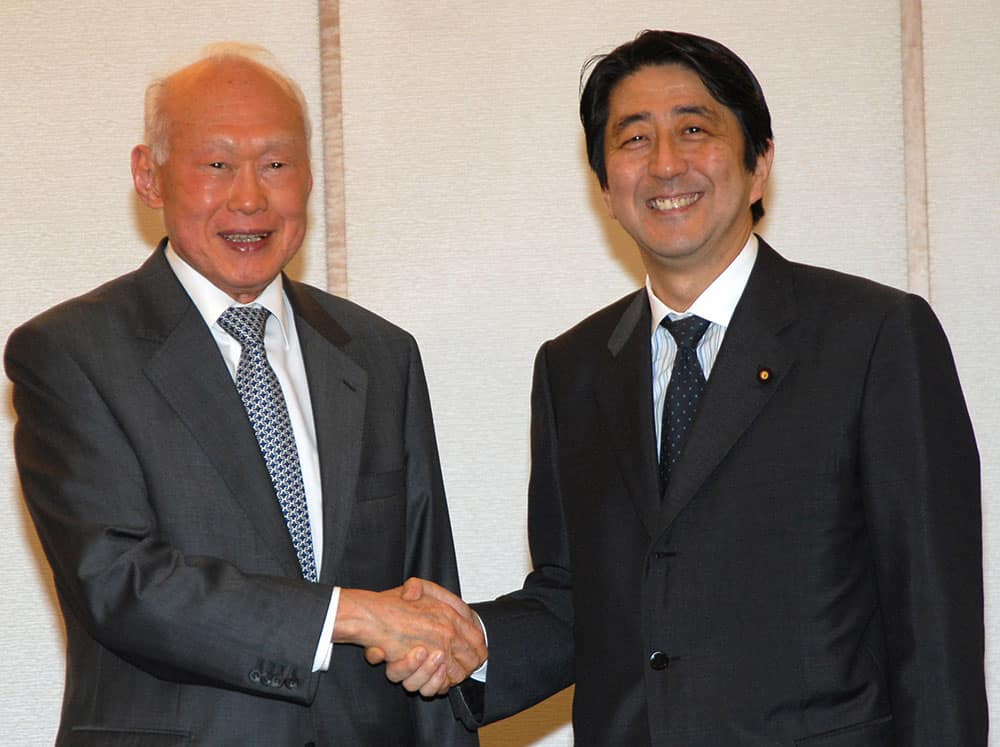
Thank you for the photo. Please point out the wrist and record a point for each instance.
(354, 619)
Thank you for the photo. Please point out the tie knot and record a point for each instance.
(245, 323)
(686, 331)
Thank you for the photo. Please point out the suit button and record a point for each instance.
(254, 675)
(659, 660)
(291, 683)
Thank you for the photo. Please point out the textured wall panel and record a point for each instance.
(962, 81)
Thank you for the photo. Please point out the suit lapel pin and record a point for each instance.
(764, 375)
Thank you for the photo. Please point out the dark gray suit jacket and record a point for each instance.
(813, 575)
(187, 620)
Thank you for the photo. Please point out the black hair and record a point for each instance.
(726, 76)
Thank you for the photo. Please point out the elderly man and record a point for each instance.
(754, 506)
(232, 473)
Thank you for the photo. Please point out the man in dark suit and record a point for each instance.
(765, 531)
(232, 473)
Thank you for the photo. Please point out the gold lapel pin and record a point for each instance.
(764, 375)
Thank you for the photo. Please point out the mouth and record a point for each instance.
(245, 241)
(679, 202)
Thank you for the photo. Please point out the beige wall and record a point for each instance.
(963, 177)
(472, 221)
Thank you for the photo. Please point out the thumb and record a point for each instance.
(375, 655)
(413, 589)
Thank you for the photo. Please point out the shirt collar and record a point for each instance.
(718, 301)
(212, 301)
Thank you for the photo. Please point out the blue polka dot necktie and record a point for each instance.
(687, 381)
(265, 405)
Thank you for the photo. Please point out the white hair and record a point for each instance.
(157, 123)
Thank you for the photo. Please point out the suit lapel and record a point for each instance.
(338, 391)
(737, 391)
(190, 374)
(624, 392)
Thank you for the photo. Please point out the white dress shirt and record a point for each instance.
(281, 342)
(716, 304)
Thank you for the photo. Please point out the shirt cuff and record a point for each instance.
(480, 674)
(324, 649)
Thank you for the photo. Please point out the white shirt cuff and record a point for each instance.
(324, 650)
(480, 674)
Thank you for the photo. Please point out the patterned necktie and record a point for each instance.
(265, 405)
(687, 381)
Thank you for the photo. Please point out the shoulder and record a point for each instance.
(601, 326)
(368, 338)
(832, 286)
(813, 283)
(855, 304)
(831, 293)
(101, 313)
(842, 310)
(356, 320)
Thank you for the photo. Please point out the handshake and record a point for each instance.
(429, 639)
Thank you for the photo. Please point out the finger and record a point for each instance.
(470, 646)
(438, 684)
(399, 670)
(440, 593)
(459, 668)
(425, 673)
(374, 655)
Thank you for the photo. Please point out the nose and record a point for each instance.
(667, 159)
(247, 194)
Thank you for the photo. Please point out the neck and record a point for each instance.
(679, 281)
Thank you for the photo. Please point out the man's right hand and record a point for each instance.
(430, 639)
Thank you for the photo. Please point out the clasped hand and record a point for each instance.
(429, 639)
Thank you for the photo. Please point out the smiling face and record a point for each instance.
(676, 176)
(236, 180)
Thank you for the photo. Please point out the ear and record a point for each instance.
(606, 196)
(146, 176)
(761, 173)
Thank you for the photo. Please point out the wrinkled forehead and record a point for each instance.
(231, 91)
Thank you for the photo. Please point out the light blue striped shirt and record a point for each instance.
(716, 304)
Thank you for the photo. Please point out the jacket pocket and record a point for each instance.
(380, 484)
(875, 733)
(96, 736)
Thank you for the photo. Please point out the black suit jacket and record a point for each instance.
(813, 575)
(187, 618)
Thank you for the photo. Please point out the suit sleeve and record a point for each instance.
(430, 550)
(921, 488)
(180, 617)
(531, 630)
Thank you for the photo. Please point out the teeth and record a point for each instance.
(244, 238)
(673, 203)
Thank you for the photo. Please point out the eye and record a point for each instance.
(217, 165)
(276, 165)
(631, 140)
